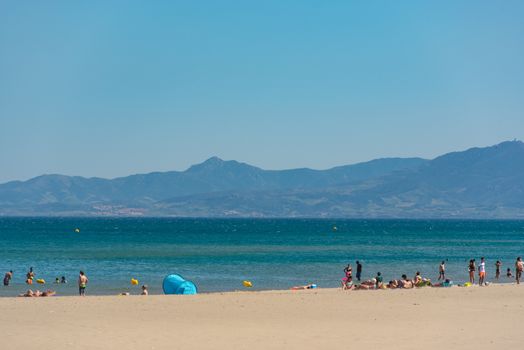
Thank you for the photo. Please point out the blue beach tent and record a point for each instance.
(176, 284)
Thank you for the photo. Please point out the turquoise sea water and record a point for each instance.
(218, 254)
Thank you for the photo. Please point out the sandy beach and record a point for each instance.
(428, 318)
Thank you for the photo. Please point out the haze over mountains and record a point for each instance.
(477, 183)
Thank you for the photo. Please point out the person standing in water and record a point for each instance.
(82, 283)
(482, 272)
(442, 271)
(30, 276)
(498, 264)
(359, 270)
(519, 266)
(471, 269)
(7, 278)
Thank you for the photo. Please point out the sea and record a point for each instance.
(219, 254)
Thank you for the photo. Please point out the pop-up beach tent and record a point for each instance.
(176, 284)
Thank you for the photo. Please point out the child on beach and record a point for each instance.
(508, 273)
(144, 290)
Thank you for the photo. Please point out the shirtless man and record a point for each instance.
(519, 266)
(405, 283)
(442, 271)
(82, 283)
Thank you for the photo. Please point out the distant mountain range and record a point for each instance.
(477, 183)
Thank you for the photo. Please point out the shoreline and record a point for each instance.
(250, 290)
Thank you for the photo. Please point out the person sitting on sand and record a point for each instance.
(446, 283)
(393, 284)
(419, 281)
(144, 290)
(405, 283)
(378, 280)
(347, 281)
(508, 273)
(418, 278)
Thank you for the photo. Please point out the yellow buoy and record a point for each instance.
(247, 284)
(134, 282)
(40, 280)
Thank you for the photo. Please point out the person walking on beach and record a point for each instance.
(482, 272)
(442, 271)
(519, 266)
(7, 278)
(471, 269)
(82, 283)
(498, 264)
(359, 270)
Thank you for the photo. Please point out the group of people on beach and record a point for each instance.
(519, 267)
(82, 284)
(418, 281)
(30, 277)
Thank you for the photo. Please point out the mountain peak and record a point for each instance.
(211, 164)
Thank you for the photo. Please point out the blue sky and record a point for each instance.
(111, 88)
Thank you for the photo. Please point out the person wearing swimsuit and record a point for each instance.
(472, 269)
(519, 266)
(442, 271)
(7, 278)
(82, 283)
(498, 264)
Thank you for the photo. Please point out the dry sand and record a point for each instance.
(429, 318)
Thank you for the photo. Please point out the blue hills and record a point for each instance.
(476, 183)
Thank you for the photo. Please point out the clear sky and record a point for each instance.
(111, 88)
